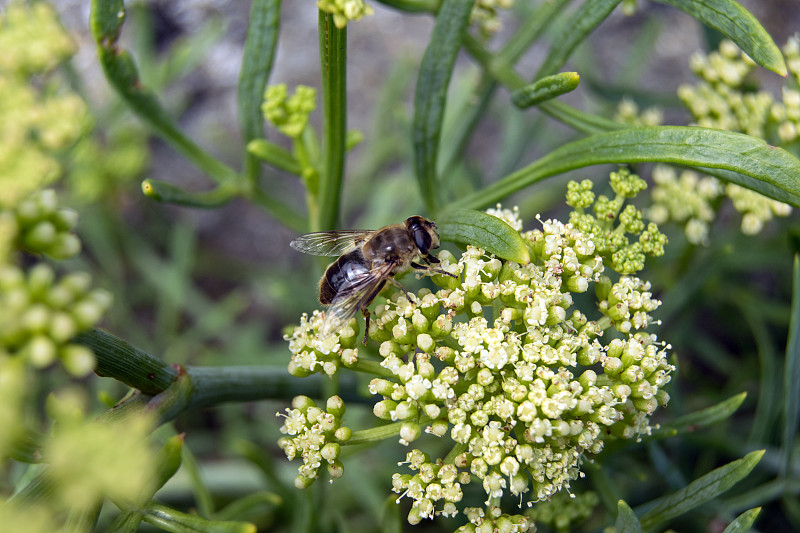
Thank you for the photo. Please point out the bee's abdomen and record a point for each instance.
(347, 268)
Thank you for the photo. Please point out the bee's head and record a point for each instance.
(423, 231)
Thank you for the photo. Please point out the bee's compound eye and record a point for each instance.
(422, 238)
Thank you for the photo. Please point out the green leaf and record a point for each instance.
(431, 92)
(699, 491)
(583, 22)
(702, 418)
(168, 193)
(545, 89)
(743, 522)
(176, 522)
(791, 376)
(274, 155)
(766, 169)
(333, 58)
(106, 20)
(578, 120)
(259, 52)
(626, 519)
(738, 25)
(484, 231)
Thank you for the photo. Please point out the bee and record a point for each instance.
(368, 259)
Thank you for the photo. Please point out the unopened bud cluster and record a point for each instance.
(723, 100)
(289, 113)
(40, 314)
(314, 435)
(501, 362)
(344, 11)
(46, 228)
(486, 16)
(610, 222)
(628, 112)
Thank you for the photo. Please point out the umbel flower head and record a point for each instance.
(503, 363)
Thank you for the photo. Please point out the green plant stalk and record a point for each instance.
(371, 367)
(791, 376)
(530, 30)
(333, 56)
(106, 19)
(375, 434)
(413, 6)
(206, 386)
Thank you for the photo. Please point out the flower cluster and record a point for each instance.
(36, 122)
(686, 198)
(486, 15)
(315, 436)
(40, 315)
(787, 112)
(722, 100)
(289, 113)
(32, 39)
(628, 113)
(503, 363)
(344, 11)
(564, 511)
(612, 220)
(44, 227)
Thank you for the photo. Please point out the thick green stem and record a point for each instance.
(333, 55)
(375, 434)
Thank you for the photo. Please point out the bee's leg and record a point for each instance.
(430, 258)
(408, 296)
(431, 269)
(365, 312)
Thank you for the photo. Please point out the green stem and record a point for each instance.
(379, 433)
(371, 367)
(333, 55)
(532, 28)
(413, 6)
(106, 20)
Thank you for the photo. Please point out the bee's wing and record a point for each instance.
(330, 243)
(353, 296)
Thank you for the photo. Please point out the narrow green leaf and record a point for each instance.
(168, 193)
(738, 25)
(333, 59)
(253, 504)
(259, 52)
(274, 155)
(699, 491)
(702, 418)
(578, 120)
(743, 522)
(626, 519)
(583, 22)
(791, 376)
(545, 89)
(106, 20)
(763, 168)
(484, 231)
(431, 92)
(174, 521)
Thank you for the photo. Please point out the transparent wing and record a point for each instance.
(330, 243)
(352, 297)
